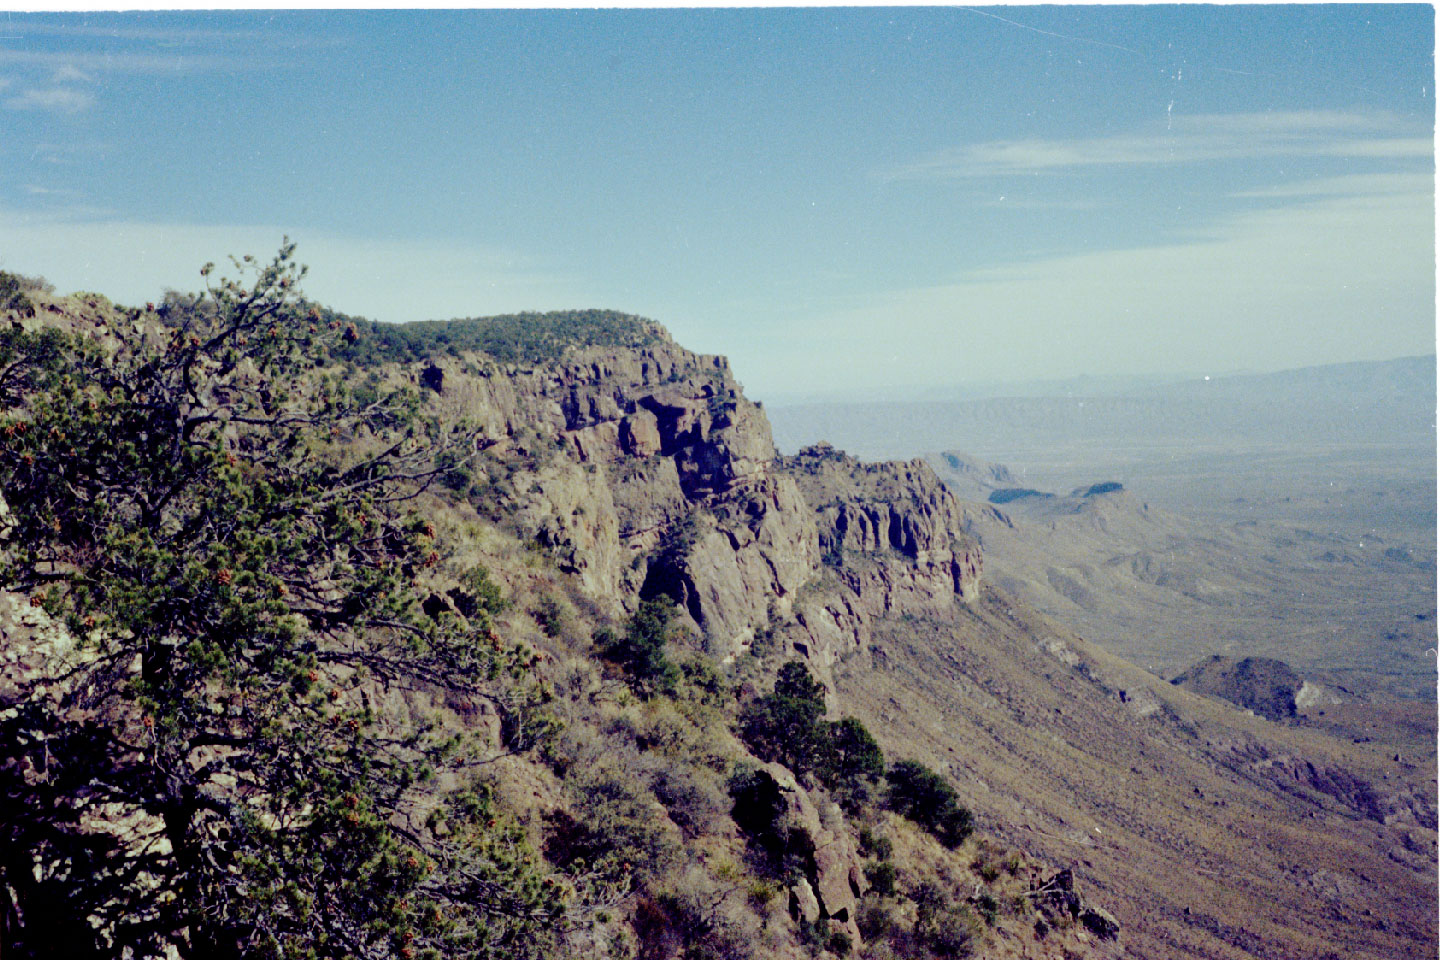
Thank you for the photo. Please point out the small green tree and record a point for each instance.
(640, 651)
(786, 726)
(226, 528)
(922, 795)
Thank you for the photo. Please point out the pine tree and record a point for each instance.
(228, 529)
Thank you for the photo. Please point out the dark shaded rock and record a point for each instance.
(1265, 686)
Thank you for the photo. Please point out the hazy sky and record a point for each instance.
(843, 200)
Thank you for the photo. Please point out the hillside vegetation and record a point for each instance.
(295, 668)
(319, 647)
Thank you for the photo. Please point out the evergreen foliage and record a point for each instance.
(513, 338)
(922, 795)
(786, 726)
(228, 532)
(12, 294)
(640, 651)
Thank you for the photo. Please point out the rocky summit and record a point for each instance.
(681, 696)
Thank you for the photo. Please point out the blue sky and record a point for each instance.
(857, 202)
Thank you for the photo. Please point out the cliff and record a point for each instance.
(646, 472)
(615, 467)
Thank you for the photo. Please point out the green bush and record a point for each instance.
(871, 845)
(786, 726)
(947, 928)
(920, 794)
(641, 650)
(523, 337)
(875, 920)
(12, 295)
(881, 877)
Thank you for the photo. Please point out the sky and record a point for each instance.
(856, 202)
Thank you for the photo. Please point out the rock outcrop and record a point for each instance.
(643, 471)
(892, 542)
(1268, 687)
(646, 472)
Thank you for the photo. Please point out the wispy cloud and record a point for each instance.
(384, 279)
(100, 62)
(35, 190)
(1183, 139)
(69, 73)
(52, 99)
(1006, 202)
(1345, 273)
(1355, 185)
(175, 36)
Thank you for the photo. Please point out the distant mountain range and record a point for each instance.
(1389, 401)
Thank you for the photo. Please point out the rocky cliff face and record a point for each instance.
(891, 542)
(646, 472)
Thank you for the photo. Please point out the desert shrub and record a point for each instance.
(478, 598)
(947, 928)
(618, 831)
(711, 917)
(694, 800)
(875, 845)
(785, 726)
(701, 681)
(553, 615)
(640, 651)
(13, 296)
(876, 920)
(920, 794)
(881, 877)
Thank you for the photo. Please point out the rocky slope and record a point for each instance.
(608, 475)
(871, 572)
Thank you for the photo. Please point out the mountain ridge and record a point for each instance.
(609, 477)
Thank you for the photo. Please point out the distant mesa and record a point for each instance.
(1010, 494)
(1268, 687)
(1096, 489)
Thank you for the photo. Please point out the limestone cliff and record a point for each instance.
(645, 471)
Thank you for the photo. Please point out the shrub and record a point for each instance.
(920, 794)
(881, 877)
(12, 295)
(871, 845)
(641, 650)
(989, 908)
(874, 919)
(553, 616)
(948, 929)
(785, 726)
